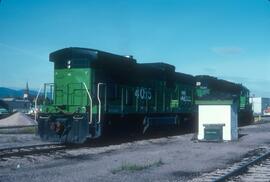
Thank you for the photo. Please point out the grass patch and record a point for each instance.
(24, 130)
(136, 167)
(30, 130)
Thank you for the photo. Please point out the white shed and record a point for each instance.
(217, 120)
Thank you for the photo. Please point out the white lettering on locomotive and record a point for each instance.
(143, 93)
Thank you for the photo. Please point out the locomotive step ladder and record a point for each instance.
(95, 124)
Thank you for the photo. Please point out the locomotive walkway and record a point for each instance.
(177, 158)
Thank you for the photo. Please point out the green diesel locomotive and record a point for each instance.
(93, 89)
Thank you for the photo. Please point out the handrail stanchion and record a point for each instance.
(36, 102)
(99, 102)
(90, 103)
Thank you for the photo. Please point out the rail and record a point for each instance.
(90, 103)
(237, 169)
(16, 127)
(242, 168)
(30, 150)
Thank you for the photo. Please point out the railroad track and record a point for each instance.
(257, 173)
(29, 150)
(6, 153)
(253, 168)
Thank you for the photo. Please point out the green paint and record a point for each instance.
(213, 102)
(70, 93)
(174, 103)
(242, 101)
(202, 91)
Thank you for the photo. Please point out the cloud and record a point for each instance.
(230, 50)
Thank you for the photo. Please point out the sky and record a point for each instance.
(228, 39)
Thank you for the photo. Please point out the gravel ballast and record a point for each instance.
(17, 119)
(176, 158)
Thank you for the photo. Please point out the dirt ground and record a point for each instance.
(16, 140)
(17, 119)
(176, 158)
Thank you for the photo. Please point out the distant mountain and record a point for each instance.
(7, 92)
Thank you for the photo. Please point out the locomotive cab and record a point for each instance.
(70, 110)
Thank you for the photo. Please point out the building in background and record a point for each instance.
(20, 105)
(260, 106)
(4, 109)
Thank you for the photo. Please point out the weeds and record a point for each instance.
(30, 130)
(136, 167)
(24, 130)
